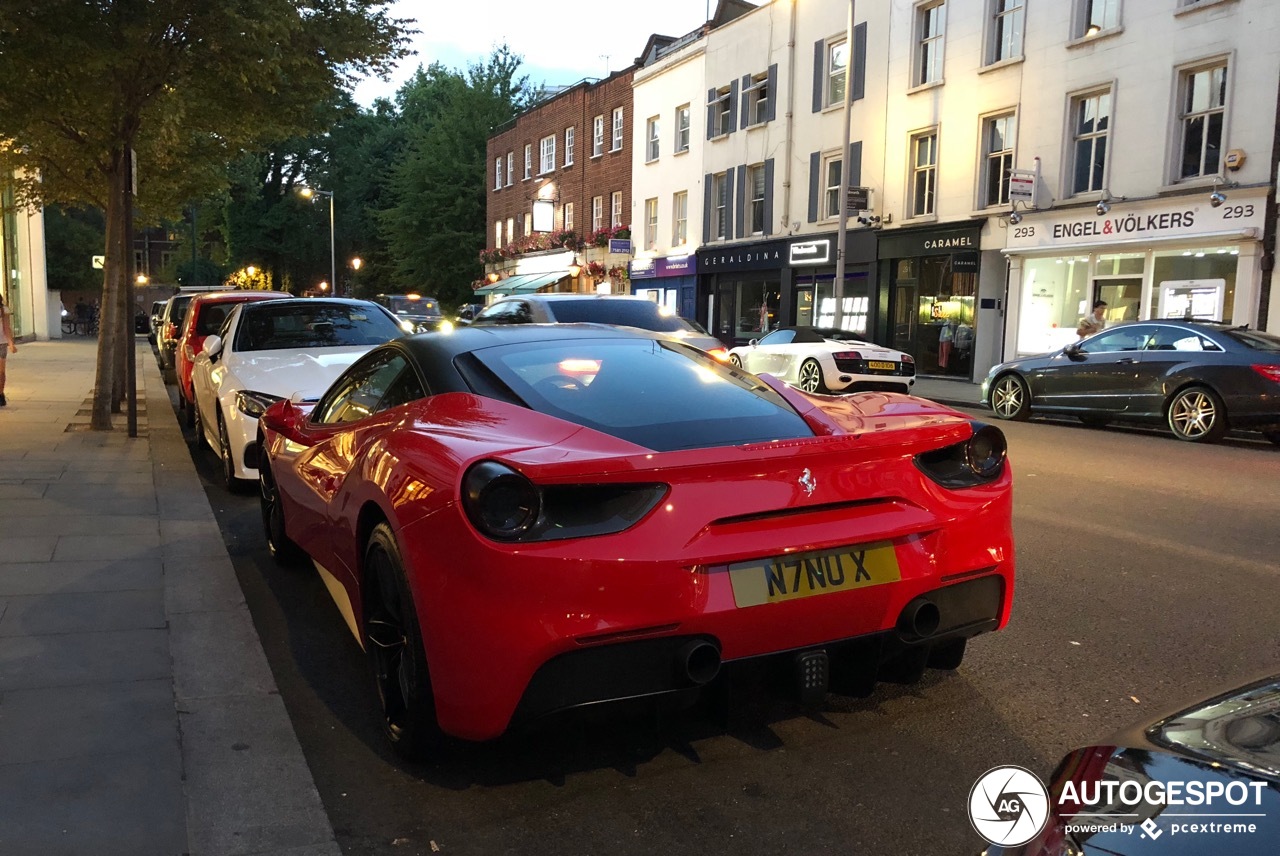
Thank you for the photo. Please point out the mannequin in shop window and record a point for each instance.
(946, 336)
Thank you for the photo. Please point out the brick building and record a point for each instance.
(559, 174)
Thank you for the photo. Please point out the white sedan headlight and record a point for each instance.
(254, 404)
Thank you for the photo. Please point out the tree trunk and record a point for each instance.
(104, 378)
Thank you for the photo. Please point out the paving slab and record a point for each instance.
(69, 659)
(217, 654)
(50, 517)
(28, 548)
(28, 578)
(72, 548)
(200, 585)
(83, 612)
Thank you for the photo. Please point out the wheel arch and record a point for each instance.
(1177, 385)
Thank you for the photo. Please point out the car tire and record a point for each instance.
(233, 483)
(809, 377)
(735, 361)
(1272, 434)
(1196, 414)
(283, 549)
(1095, 421)
(1010, 398)
(396, 655)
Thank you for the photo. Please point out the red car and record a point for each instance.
(516, 521)
(204, 317)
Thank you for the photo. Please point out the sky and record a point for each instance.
(562, 41)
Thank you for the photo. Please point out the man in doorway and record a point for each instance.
(1093, 322)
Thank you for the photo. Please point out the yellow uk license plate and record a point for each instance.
(881, 364)
(789, 577)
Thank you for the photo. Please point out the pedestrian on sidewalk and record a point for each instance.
(1094, 322)
(7, 345)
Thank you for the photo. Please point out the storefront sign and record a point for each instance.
(620, 245)
(810, 252)
(935, 242)
(966, 262)
(1181, 217)
(763, 256)
(651, 268)
(1022, 186)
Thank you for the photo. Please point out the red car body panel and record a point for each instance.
(190, 342)
(492, 613)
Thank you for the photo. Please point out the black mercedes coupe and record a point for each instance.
(1199, 378)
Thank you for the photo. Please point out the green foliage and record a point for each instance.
(71, 239)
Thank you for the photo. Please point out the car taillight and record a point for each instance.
(907, 358)
(847, 355)
(504, 505)
(721, 354)
(978, 460)
(1270, 372)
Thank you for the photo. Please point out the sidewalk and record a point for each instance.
(138, 715)
(957, 393)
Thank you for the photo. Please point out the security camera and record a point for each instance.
(1103, 207)
(1216, 199)
(1015, 217)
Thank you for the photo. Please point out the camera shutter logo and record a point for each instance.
(1008, 806)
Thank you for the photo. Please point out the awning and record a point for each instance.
(534, 282)
(506, 286)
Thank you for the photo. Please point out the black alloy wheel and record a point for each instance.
(1010, 398)
(810, 377)
(1197, 414)
(283, 549)
(396, 655)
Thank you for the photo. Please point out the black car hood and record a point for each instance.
(1229, 744)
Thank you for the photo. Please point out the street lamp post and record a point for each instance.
(841, 236)
(311, 193)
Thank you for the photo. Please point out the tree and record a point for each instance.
(184, 84)
(71, 239)
(435, 226)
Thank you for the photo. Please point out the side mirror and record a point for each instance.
(212, 346)
(754, 342)
(1074, 353)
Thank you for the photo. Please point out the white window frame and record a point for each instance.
(719, 203)
(597, 213)
(680, 218)
(511, 168)
(926, 173)
(1075, 101)
(928, 51)
(835, 74)
(652, 146)
(829, 202)
(511, 229)
(547, 154)
(723, 113)
(756, 181)
(497, 234)
(1184, 75)
(651, 223)
(568, 145)
(597, 136)
(1106, 15)
(683, 112)
(527, 225)
(567, 219)
(993, 159)
(1005, 46)
(616, 143)
(497, 174)
(615, 209)
(528, 161)
(756, 100)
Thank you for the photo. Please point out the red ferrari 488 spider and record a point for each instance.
(516, 521)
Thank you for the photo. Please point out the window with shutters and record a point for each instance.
(722, 112)
(755, 199)
(756, 100)
(720, 206)
(836, 65)
(832, 170)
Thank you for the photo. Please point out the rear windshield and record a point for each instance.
(643, 314)
(269, 326)
(402, 304)
(657, 394)
(1254, 339)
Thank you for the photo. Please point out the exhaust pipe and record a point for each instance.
(697, 662)
(920, 618)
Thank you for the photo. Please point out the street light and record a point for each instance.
(310, 193)
(324, 286)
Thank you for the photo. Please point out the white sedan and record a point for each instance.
(274, 349)
(817, 359)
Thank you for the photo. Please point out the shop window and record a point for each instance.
(1200, 282)
(757, 309)
(1055, 295)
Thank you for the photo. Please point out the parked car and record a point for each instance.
(204, 317)
(420, 314)
(268, 350)
(558, 516)
(1199, 378)
(619, 310)
(157, 313)
(821, 359)
(171, 321)
(1228, 745)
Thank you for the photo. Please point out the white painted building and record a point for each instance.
(22, 271)
(1120, 119)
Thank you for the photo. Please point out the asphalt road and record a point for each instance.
(1149, 571)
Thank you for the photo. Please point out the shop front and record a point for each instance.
(1179, 257)
(814, 301)
(671, 281)
(929, 296)
(743, 289)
